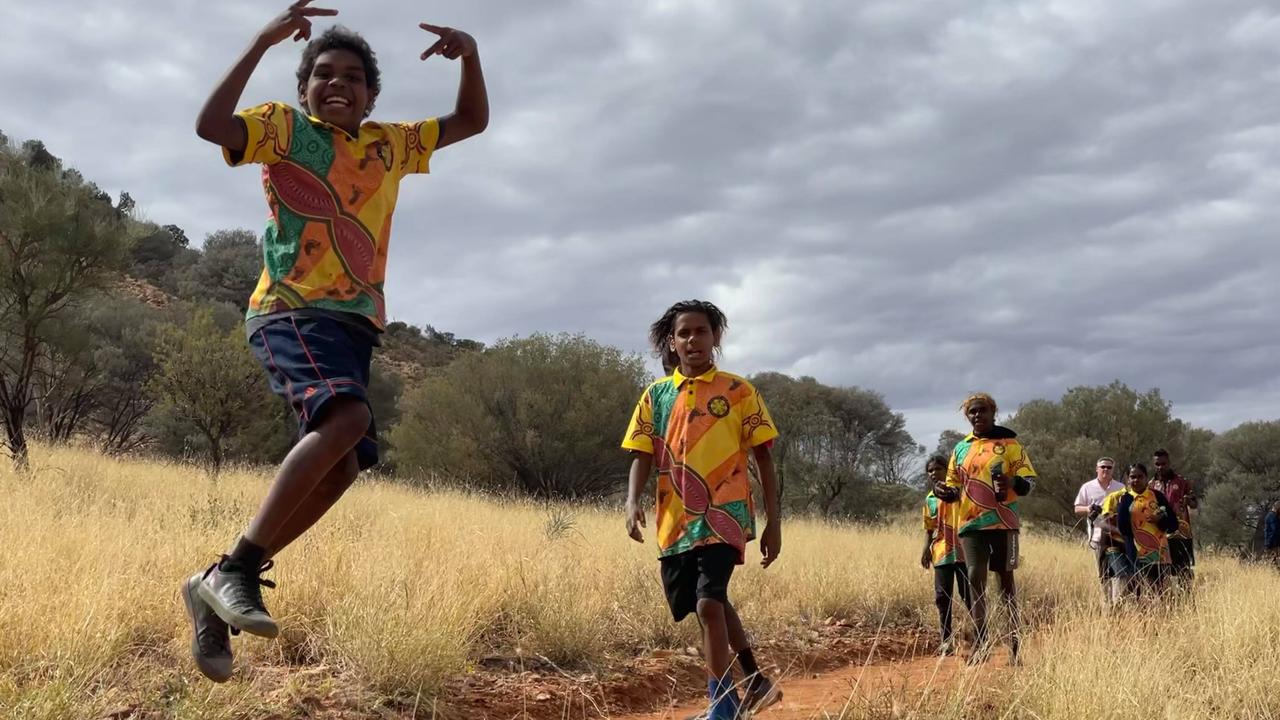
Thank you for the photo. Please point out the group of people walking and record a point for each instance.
(1139, 529)
(971, 523)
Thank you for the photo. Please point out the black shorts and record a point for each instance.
(701, 573)
(997, 549)
(312, 359)
(1182, 553)
(1153, 573)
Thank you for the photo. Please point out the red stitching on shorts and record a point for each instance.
(307, 350)
(288, 385)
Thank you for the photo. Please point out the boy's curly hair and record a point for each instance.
(665, 327)
(341, 38)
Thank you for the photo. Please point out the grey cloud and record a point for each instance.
(922, 199)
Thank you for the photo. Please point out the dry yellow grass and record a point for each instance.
(398, 590)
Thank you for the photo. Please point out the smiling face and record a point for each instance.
(337, 91)
(694, 343)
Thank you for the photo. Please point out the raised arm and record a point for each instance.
(217, 122)
(470, 114)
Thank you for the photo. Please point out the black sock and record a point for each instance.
(748, 662)
(248, 555)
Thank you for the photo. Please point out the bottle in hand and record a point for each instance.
(997, 471)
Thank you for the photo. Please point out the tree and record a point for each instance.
(58, 241)
(1246, 468)
(1065, 438)
(408, 347)
(947, 441)
(542, 416)
(161, 257)
(67, 379)
(226, 269)
(841, 451)
(206, 376)
(125, 336)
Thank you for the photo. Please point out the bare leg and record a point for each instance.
(307, 465)
(715, 638)
(977, 572)
(322, 497)
(738, 640)
(1009, 593)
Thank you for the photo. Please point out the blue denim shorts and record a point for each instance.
(1118, 565)
(312, 359)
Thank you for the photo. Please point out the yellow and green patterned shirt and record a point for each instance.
(331, 197)
(1150, 541)
(700, 431)
(940, 519)
(969, 471)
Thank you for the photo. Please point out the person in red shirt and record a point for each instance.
(1182, 497)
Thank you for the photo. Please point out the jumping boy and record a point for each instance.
(331, 181)
(699, 426)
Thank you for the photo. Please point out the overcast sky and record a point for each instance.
(921, 198)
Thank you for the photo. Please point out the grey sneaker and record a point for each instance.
(235, 594)
(761, 693)
(210, 636)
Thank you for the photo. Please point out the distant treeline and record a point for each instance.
(119, 334)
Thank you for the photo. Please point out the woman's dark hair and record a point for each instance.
(341, 38)
(665, 327)
(1139, 466)
(935, 460)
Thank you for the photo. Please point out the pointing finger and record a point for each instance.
(311, 12)
(433, 28)
(437, 47)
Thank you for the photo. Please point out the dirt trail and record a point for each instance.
(827, 694)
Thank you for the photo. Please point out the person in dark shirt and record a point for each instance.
(1271, 534)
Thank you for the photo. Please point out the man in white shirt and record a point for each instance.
(1091, 496)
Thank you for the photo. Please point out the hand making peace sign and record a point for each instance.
(452, 44)
(294, 21)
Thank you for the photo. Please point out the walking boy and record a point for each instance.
(943, 553)
(698, 427)
(331, 181)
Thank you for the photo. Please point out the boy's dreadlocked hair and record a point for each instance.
(665, 327)
(341, 38)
